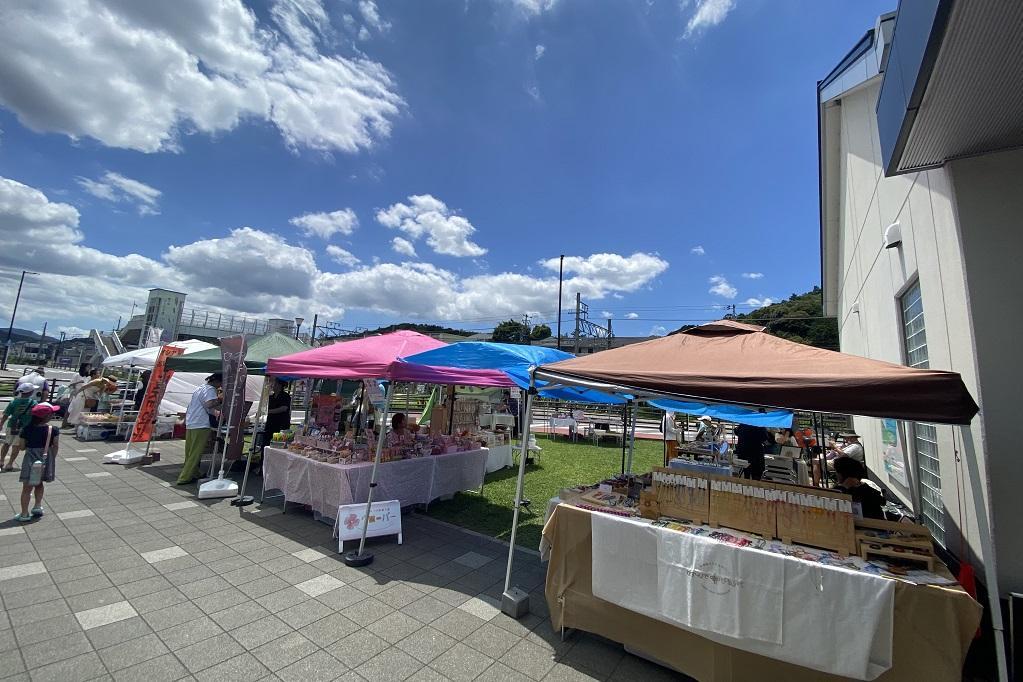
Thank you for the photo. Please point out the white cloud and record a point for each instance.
(371, 15)
(72, 332)
(759, 302)
(141, 75)
(658, 330)
(697, 250)
(533, 8)
(404, 247)
(607, 314)
(709, 13)
(598, 275)
(342, 256)
(120, 189)
(631, 316)
(426, 216)
(540, 49)
(326, 225)
(721, 287)
(753, 275)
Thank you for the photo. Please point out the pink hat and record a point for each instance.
(44, 410)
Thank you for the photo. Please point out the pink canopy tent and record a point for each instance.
(376, 357)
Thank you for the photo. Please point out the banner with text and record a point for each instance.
(233, 411)
(155, 389)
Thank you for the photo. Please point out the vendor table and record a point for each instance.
(325, 487)
(931, 626)
(500, 457)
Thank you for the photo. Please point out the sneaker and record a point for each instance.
(21, 518)
(37, 511)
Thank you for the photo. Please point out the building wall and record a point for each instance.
(871, 280)
(989, 199)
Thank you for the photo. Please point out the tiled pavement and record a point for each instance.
(128, 577)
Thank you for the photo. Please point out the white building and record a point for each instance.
(921, 193)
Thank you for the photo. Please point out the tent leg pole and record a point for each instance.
(632, 437)
(515, 602)
(985, 524)
(242, 500)
(358, 557)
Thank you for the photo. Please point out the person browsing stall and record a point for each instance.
(705, 432)
(850, 475)
(40, 441)
(278, 411)
(400, 431)
(201, 408)
(17, 415)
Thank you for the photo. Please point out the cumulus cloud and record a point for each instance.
(532, 8)
(371, 15)
(117, 188)
(404, 247)
(697, 250)
(326, 225)
(597, 275)
(708, 13)
(139, 76)
(425, 216)
(721, 287)
(753, 275)
(631, 316)
(342, 256)
(540, 49)
(607, 314)
(759, 302)
(658, 330)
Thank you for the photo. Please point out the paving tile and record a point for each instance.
(104, 615)
(483, 607)
(308, 555)
(305, 613)
(341, 598)
(164, 554)
(75, 572)
(176, 506)
(300, 573)
(95, 599)
(31, 583)
(427, 609)
(194, 573)
(326, 631)
(22, 570)
(201, 588)
(13, 530)
(458, 624)
(320, 584)
(246, 574)
(85, 667)
(173, 615)
(239, 615)
(473, 560)
(427, 675)
(149, 585)
(99, 474)
(499, 672)
(356, 648)
(121, 631)
(399, 595)
(187, 634)
(156, 601)
(218, 601)
(391, 664)
(258, 633)
(461, 663)
(132, 652)
(394, 627)
(241, 668)
(76, 459)
(316, 667)
(37, 612)
(281, 652)
(84, 585)
(264, 586)
(79, 514)
(281, 563)
(282, 599)
(208, 653)
(529, 659)
(9, 642)
(367, 611)
(425, 644)
(165, 668)
(491, 640)
(56, 649)
(228, 564)
(594, 653)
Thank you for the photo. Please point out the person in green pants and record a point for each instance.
(201, 408)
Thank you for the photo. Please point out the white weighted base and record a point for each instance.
(220, 487)
(124, 457)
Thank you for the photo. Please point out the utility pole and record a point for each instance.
(42, 343)
(525, 329)
(561, 281)
(312, 337)
(578, 310)
(10, 329)
(610, 335)
(60, 344)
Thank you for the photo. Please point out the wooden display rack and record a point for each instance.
(824, 528)
(742, 512)
(691, 504)
(890, 540)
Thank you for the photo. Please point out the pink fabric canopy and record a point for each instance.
(376, 357)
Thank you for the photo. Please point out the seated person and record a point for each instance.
(851, 448)
(785, 438)
(850, 474)
(705, 432)
(400, 431)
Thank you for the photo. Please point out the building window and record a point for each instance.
(924, 437)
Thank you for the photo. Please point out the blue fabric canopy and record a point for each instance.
(778, 419)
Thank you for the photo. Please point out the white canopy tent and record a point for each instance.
(145, 358)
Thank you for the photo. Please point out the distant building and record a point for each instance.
(921, 193)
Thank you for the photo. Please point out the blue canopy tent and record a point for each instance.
(773, 419)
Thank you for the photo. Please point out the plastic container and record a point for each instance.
(35, 476)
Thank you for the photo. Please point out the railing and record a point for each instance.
(208, 319)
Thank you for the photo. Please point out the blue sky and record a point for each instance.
(449, 146)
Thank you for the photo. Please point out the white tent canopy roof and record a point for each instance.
(146, 357)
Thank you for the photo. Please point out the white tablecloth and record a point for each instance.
(821, 617)
(325, 487)
(500, 457)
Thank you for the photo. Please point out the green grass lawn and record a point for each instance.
(561, 464)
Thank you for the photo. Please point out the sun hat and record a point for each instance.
(44, 410)
(216, 376)
(704, 418)
(849, 434)
(26, 388)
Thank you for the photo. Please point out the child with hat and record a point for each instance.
(17, 416)
(40, 461)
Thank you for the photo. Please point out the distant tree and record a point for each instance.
(512, 332)
(540, 332)
(417, 327)
(800, 318)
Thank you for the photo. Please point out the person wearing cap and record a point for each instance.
(40, 441)
(705, 431)
(17, 415)
(851, 448)
(201, 407)
(37, 379)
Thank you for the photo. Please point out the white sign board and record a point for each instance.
(384, 519)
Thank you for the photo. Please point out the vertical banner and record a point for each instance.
(232, 411)
(894, 452)
(155, 390)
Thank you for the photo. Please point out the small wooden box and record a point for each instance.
(815, 527)
(679, 502)
(895, 540)
(742, 512)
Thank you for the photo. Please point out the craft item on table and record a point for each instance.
(819, 518)
(897, 541)
(615, 511)
(677, 495)
(744, 506)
